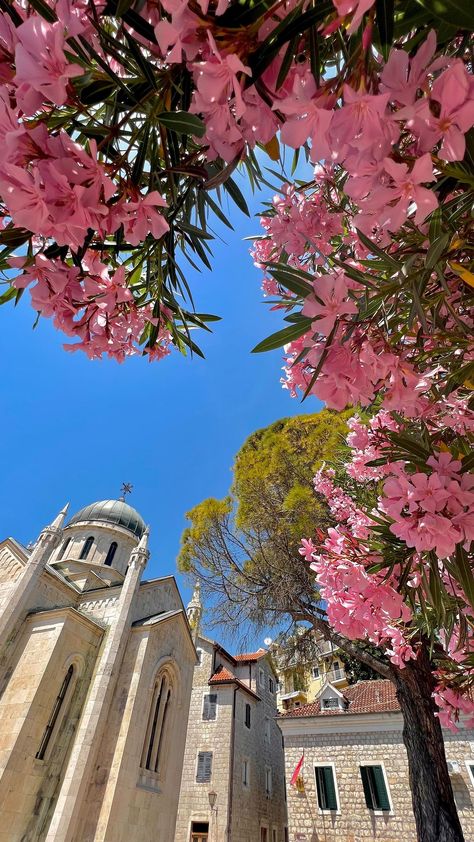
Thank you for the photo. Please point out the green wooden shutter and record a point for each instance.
(380, 788)
(330, 788)
(326, 789)
(319, 787)
(364, 773)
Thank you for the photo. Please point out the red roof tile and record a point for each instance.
(364, 697)
(251, 656)
(222, 674)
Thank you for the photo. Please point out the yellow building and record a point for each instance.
(302, 674)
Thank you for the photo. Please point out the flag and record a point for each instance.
(297, 771)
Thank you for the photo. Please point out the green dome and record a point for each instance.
(115, 512)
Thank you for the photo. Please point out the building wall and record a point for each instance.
(240, 809)
(204, 735)
(252, 808)
(48, 644)
(347, 749)
(125, 802)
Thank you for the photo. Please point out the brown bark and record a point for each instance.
(434, 807)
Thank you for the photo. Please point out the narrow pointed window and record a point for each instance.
(157, 724)
(110, 555)
(86, 548)
(64, 548)
(48, 731)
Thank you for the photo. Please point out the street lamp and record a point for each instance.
(212, 796)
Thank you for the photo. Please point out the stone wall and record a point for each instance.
(211, 735)
(123, 802)
(48, 644)
(354, 822)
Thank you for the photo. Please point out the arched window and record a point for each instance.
(64, 548)
(54, 714)
(87, 545)
(157, 723)
(110, 555)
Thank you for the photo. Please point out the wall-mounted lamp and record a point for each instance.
(212, 796)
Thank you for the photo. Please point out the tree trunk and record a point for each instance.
(434, 807)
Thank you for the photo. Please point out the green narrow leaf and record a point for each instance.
(385, 258)
(182, 122)
(436, 250)
(459, 12)
(282, 337)
(8, 295)
(236, 195)
(292, 282)
(384, 17)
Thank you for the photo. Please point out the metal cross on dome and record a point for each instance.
(126, 489)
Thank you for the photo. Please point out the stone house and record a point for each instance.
(302, 674)
(232, 788)
(96, 669)
(353, 785)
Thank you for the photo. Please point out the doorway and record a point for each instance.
(199, 831)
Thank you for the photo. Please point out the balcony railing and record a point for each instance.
(336, 675)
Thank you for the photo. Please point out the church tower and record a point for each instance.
(94, 682)
(194, 611)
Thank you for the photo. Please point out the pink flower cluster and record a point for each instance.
(452, 707)
(91, 305)
(60, 192)
(431, 511)
(361, 605)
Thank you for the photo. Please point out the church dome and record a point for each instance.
(115, 512)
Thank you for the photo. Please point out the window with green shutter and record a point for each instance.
(326, 787)
(204, 767)
(209, 709)
(375, 788)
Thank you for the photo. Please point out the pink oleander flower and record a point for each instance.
(454, 90)
(402, 76)
(406, 189)
(143, 217)
(329, 302)
(357, 8)
(216, 79)
(307, 549)
(307, 118)
(42, 69)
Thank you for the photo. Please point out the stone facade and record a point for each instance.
(346, 741)
(84, 651)
(245, 691)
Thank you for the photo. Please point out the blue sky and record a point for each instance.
(74, 430)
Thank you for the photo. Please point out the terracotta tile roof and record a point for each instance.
(364, 697)
(224, 676)
(251, 656)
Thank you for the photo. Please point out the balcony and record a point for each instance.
(335, 675)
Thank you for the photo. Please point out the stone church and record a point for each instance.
(96, 670)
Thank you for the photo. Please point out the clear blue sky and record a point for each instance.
(74, 430)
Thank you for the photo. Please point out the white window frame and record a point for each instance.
(334, 777)
(470, 771)
(315, 677)
(387, 787)
(199, 653)
(271, 685)
(212, 693)
(261, 680)
(269, 791)
(246, 767)
(248, 707)
(274, 834)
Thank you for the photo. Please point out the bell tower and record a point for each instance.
(194, 611)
